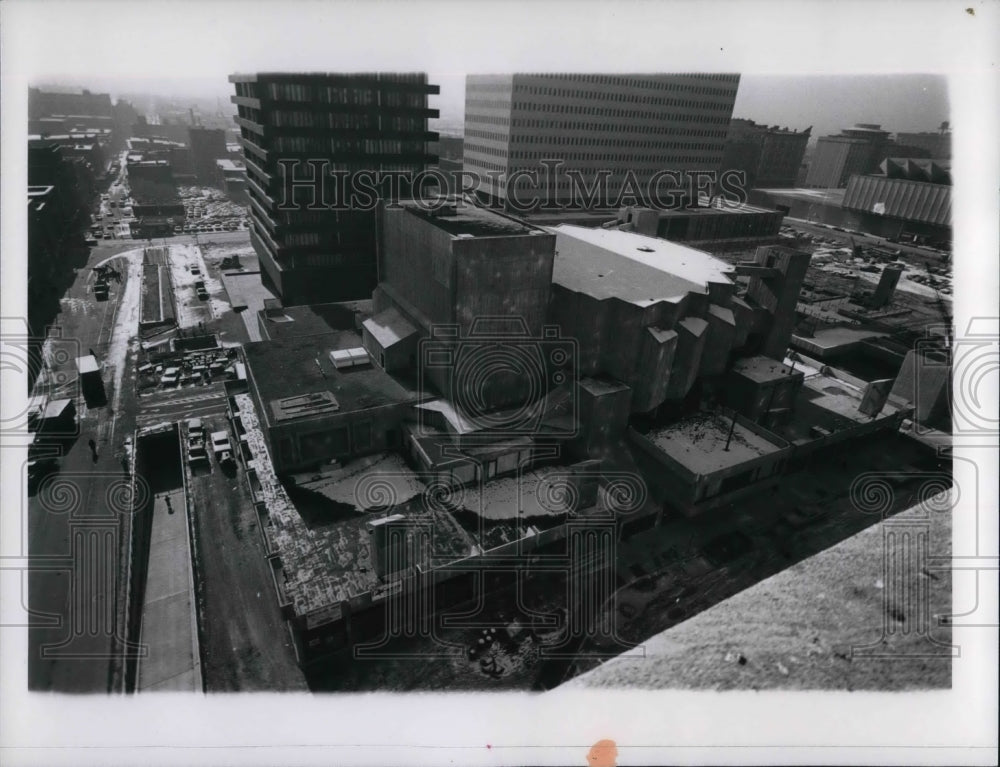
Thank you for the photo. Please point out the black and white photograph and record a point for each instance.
(503, 383)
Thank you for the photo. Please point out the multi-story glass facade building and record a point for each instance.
(591, 123)
(317, 247)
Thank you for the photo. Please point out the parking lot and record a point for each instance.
(209, 210)
(206, 210)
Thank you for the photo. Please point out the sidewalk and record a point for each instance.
(169, 623)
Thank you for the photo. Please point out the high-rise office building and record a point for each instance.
(313, 249)
(646, 124)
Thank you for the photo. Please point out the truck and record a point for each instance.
(222, 448)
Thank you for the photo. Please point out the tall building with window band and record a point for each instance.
(312, 250)
(643, 123)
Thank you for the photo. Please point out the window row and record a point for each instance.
(625, 153)
(365, 95)
(488, 119)
(345, 146)
(605, 129)
(655, 81)
(641, 166)
(590, 109)
(626, 82)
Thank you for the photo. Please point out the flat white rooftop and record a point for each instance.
(609, 263)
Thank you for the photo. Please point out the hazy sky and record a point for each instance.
(828, 103)
(189, 48)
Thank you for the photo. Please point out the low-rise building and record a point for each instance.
(718, 225)
(231, 177)
(321, 399)
(712, 457)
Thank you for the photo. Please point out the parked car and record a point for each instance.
(196, 441)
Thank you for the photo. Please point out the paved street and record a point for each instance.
(76, 516)
(189, 402)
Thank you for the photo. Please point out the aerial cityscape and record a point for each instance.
(330, 394)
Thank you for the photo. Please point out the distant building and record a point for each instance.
(719, 225)
(207, 145)
(860, 150)
(354, 122)
(639, 123)
(855, 150)
(153, 188)
(905, 197)
(232, 178)
(936, 145)
(45, 103)
(770, 156)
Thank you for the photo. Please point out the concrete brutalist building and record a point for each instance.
(440, 491)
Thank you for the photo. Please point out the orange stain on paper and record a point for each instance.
(604, 753)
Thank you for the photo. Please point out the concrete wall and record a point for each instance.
(503, 277)
(603, 418)
(656, 359)
(754, 399)
(659, 350)
(417, 262)
(692, 334)
(925, 382)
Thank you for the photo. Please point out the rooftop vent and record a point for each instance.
(645, 249)
(350, 358)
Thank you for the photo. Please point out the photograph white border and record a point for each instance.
(957, 726)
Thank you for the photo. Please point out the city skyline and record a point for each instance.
(905, 103)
